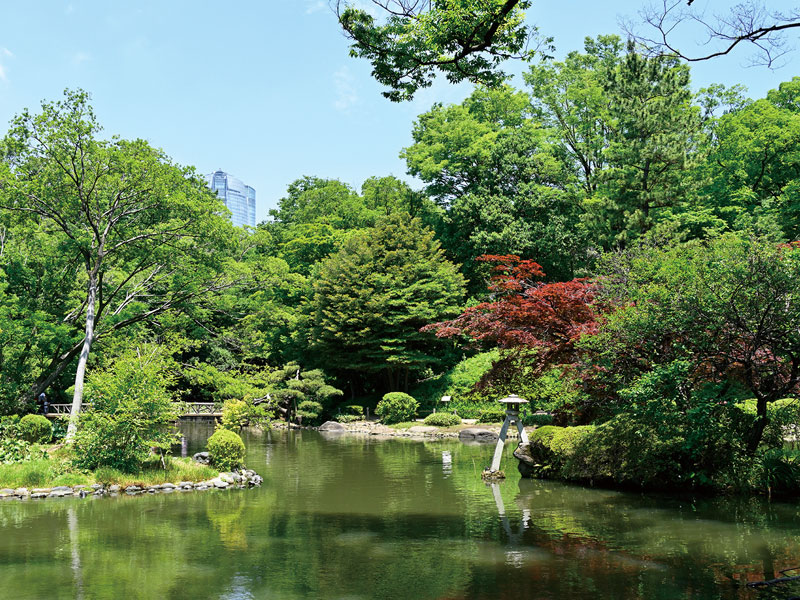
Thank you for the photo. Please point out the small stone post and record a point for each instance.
(512, 403)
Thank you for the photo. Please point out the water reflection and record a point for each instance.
(72, 526)
(360, 517)
(447, 463)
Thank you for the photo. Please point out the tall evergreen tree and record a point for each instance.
(372, 297)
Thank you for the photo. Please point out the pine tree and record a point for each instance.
(372, 297)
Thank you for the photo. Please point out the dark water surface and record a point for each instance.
(356, 517)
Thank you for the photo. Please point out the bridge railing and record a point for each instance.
(199, 409)
(185, 409)
(60, 409)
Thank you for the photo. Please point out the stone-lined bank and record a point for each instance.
(469, 431)
(244, 478)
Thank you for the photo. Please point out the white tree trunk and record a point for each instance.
(77, 398)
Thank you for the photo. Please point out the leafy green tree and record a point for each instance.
(316, 200)
(38, 320)
(466, 40)
(389, 195)
(631, 131)
(752, 169)
(144, 234)
(502, 178)
(132, 411)
(729, 309)
(570, 97)
(373, 295)
(653, 140)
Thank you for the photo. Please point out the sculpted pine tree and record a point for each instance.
(143, 231)
(372, 297)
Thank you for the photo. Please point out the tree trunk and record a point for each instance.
(77, 398)
(757, 432)
(51, 373)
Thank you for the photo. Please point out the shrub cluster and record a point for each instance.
(226, 449)
(442, 419)
(491, 414)
(8, 426)
(396, 407)
(35, 429)
(235, 414)
(347, 418)
(630, 451)
(17, 451)
(538, 419)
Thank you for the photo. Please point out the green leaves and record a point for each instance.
(371, 298)
(504, 180)
(120, 234)
(466, 40)
(132, 411)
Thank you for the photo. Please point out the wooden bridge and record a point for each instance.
(186, 410)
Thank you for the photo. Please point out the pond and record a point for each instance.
(351, 517)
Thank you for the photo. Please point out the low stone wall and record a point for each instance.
(244, 478)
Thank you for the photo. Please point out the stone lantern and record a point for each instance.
(512, 404)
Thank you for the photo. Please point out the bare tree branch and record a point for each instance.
(749, 23)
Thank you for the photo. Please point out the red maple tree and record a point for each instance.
(526, 314)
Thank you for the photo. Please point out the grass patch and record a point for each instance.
(41, 472)
(58, 470)
(178, 469)
(404, 425)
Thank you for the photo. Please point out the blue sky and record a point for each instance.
(262, 89)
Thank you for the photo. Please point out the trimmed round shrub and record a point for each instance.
(443, 419)
(226, 450)
(35, 429)
(354, 409)
(396, 407)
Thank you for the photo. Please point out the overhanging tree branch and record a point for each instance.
(750, 22)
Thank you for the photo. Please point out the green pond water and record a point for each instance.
(350, 517)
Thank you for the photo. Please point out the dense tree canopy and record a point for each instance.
(140, 233)
(627, 247)
(503, 180)
(372, 297)
(731, 308)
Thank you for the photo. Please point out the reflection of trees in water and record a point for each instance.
(226, 517)
(332, 522)
(74, 546)
(660, 546)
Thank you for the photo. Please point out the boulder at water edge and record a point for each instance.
(526, 462)
(475, 434)
(331, 426)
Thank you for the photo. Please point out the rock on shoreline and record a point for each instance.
(244, 478)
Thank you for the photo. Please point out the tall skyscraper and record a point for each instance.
(238, 197)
